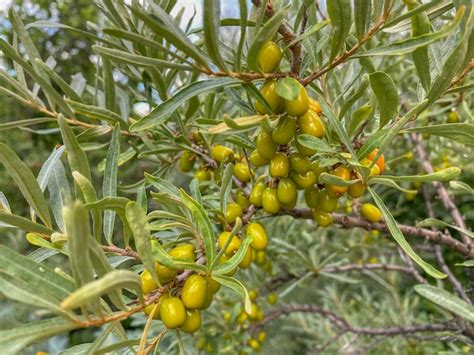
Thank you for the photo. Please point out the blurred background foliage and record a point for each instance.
(381, 302)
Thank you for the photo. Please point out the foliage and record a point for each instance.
(156, 191)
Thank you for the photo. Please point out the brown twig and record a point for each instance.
(439, 255)
(347, 54)
(351, 222)
(344, 326)
(124, 252)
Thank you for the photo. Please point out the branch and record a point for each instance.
(441, 190)
(288, 36)
(347, 54)
(276, 282)
(344, 326)
(123, 252)
(351, 222)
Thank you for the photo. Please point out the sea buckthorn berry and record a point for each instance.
(213, 285)
(194, 291)
(307, 152)
(284, 131)
(269, 57)
(323, 219)
(318, 170)
(202, 175)
(254, 344)
(257, 160)
(242, 171)
(227, 316)
(270, 201)
(233, 245)
(192, 323)
(259, 236)
(186, 161)
(311, 196)
(453, 117)
(311, 124)
(184, 252)
(326, 202)
(148, 284)
(290, 205)
(268, 92)
(210, 295)
(253, 311)
(279, 165)
(165, 273)
(260, 257)
(253, 295)
(380, 161)
(315, 106)
(247, 260)
(242, 200)
(298, 106)
(299, 163)
(370, 212)
(242, 317)
(148, 309)
(266, 147)
(262, 336)
(356, 190)
(256, 194)
(305, 180)
(344, 173)
(272, 298)
(221, 153)
(233, 211)
(172, 311)
(374, 171)
(286, 191)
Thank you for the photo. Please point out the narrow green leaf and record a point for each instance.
(203, 224)
(336, 124)
(387, 96)
(12, 341)
(403, 21)
(24, 223)
(469, 263)
(160, 254)
(362, 10)
(441, 175)
(163, 112)
(26, 182)
(25, 123)
(76, 222)
(116, 279)
(97, 113)
(65, 87)
(265, 34)
(90, 196)
(109, 84)
(314, 143)
(411, 44)
(331, 179)
(109, 187)
(288, 88)
(211, 13)
(236, 286)
(75, 155)
(226, 186)
(447, 300)
(234, 261)
(400, 238)
(18, 290)
(461, 186)
(340, 14)
(138, 221)
(33, 273)
(433, 222)
(164, 26)
(388, 182)
(459, 132)
(122, 56)
(453, 65)
(356, 93)
(359, 116)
